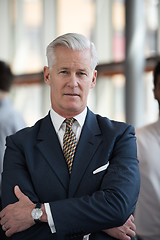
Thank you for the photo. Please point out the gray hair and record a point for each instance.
(72, 41)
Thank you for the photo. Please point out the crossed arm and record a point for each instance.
(17, 217)
(121, 197)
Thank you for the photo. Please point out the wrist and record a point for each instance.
(44, 215)
(37, 213)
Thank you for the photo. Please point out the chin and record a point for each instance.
(74, 109)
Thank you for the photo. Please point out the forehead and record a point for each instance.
(69, 56)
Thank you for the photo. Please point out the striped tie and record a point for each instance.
(69, 143)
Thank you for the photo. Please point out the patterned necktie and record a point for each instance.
(69, 143)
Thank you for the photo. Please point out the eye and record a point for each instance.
(82, 74)
(64, 72)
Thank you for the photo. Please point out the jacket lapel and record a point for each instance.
(48, 144)
(87, 145)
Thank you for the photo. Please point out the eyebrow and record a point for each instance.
(83, 70)
(67, 68)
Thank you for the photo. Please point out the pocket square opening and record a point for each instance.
(100, 169)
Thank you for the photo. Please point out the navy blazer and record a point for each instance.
(92, 198)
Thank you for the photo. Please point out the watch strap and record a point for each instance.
(38, 205)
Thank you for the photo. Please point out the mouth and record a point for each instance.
(72, 94)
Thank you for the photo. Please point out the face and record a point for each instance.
(156, 90)
(70, 80)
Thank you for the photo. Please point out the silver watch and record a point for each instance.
(37, 213)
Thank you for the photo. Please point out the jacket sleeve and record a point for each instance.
(15, 172)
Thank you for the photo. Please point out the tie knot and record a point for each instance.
(69, 122)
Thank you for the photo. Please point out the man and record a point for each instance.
(99, 188)
(147, 214)
(10, 120)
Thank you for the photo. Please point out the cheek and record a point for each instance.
(55, 86)
(86, 90)
(54, 91)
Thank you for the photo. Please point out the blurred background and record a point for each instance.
(127, 38)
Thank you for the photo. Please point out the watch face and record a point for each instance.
(36, 213)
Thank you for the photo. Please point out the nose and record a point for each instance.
(73, 81)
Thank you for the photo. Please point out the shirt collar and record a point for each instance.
(58, 120)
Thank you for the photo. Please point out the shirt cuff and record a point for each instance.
(49, 217)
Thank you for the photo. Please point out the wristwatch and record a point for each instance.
(37, 213)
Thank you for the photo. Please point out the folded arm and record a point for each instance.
(115, 196)
(17, 217)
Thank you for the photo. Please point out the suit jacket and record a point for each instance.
(92, 198)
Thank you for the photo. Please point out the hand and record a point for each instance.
(17, 217)
(124, 232)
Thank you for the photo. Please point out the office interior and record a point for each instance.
(127, 38)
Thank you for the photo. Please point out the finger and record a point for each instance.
(124, 236)
(131, 233)
(18, 192)
(2, 214)
(9, 232)
(3, 221)
(5, 227)
(133, 226)
(131, 218)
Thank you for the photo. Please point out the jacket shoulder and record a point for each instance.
(114, 126)
(30, 132)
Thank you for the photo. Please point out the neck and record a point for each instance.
(68, 114)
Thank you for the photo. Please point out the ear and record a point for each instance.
(46, 75)
(93, 83)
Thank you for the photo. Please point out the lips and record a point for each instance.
(71, 94)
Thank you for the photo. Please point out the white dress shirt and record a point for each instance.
(147, 214)
(60, 126)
